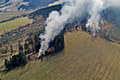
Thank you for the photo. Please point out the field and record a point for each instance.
(5, 16)
(13, 24)
(83, 58)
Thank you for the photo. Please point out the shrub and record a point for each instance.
(15, 61)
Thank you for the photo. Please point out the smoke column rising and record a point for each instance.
(93, 22)
(72, 10)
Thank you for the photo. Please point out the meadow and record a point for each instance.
(8, 15)
(13, 24)
(83, 58)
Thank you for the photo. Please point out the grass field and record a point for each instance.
(5, 16)
(83, 58)
(13, 24)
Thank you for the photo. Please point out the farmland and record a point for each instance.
(13, 24)
(5, 16)
(83, 58)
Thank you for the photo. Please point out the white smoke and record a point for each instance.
(111, 3)
(72, 10)
(97, 7)
(93, 22)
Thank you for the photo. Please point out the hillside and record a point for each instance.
(112, 15)
(23, 5)
(83, 58)
(45, 11)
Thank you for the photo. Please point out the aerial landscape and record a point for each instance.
(59, 39)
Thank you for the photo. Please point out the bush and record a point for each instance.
(4, 51)
(26, 48)
(20, 46)
(15, 61)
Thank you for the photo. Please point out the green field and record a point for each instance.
(5, 16)
(13, 24)
(83, 58)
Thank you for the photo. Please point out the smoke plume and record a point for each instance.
(71, 11)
